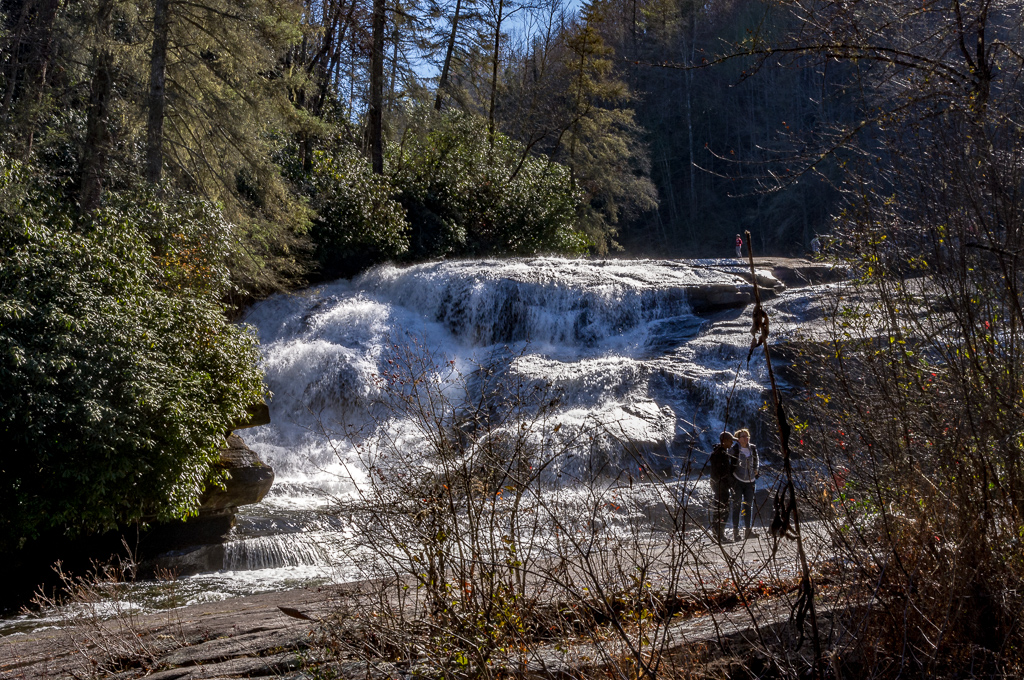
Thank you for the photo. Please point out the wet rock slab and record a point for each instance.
(242, 637)
(272, 635)
(256, 643)
(246, 667)
(798, 272)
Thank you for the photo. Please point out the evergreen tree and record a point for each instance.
(565, 100)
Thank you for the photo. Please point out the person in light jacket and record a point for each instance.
(745, 472)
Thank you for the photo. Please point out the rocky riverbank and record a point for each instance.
(290, 634)
(197, 545)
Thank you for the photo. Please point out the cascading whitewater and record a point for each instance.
(616, 340)
(270, 552)
(624, 364)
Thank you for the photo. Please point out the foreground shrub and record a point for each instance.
(914, 414)
(119, 370)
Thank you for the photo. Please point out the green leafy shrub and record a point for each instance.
(468, 197)
(358, 221)
(118, 367)
(446, 192)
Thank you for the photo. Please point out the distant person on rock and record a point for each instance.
(745, 472)
(739, 247)
(721, 466)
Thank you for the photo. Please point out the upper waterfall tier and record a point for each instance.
(546, 300)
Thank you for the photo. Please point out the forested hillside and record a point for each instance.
(235, 102)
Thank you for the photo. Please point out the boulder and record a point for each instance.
(712, 297)
(636, 435)
(196, 545)
(259, 414)
(249, 478)
(797, 272)
(195, 559)
(769, 284)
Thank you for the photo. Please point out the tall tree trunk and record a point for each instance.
(494, 72)
(328, 69)
(447, 57)
(157, 93)
(30, 50)
(692, 217)
(14, 50)
(325, 65)
(97, 137)
(577, 114)
(375, 121)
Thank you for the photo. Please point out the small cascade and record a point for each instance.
(273, 552)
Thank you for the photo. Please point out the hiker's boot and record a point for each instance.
(749, 534)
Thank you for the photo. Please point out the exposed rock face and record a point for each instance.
(191, 559)
(196, 545)
(774, 275)
(636, 435)
(711, 297)
(250, 478)
(797, 272)
(259, 414)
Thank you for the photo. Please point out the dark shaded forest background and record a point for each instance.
(248, 104)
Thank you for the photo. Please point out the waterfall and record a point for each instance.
(618, 341)
(620, 364)
(624, 366)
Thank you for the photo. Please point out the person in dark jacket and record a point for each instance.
(721, 465)
(745, 472)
